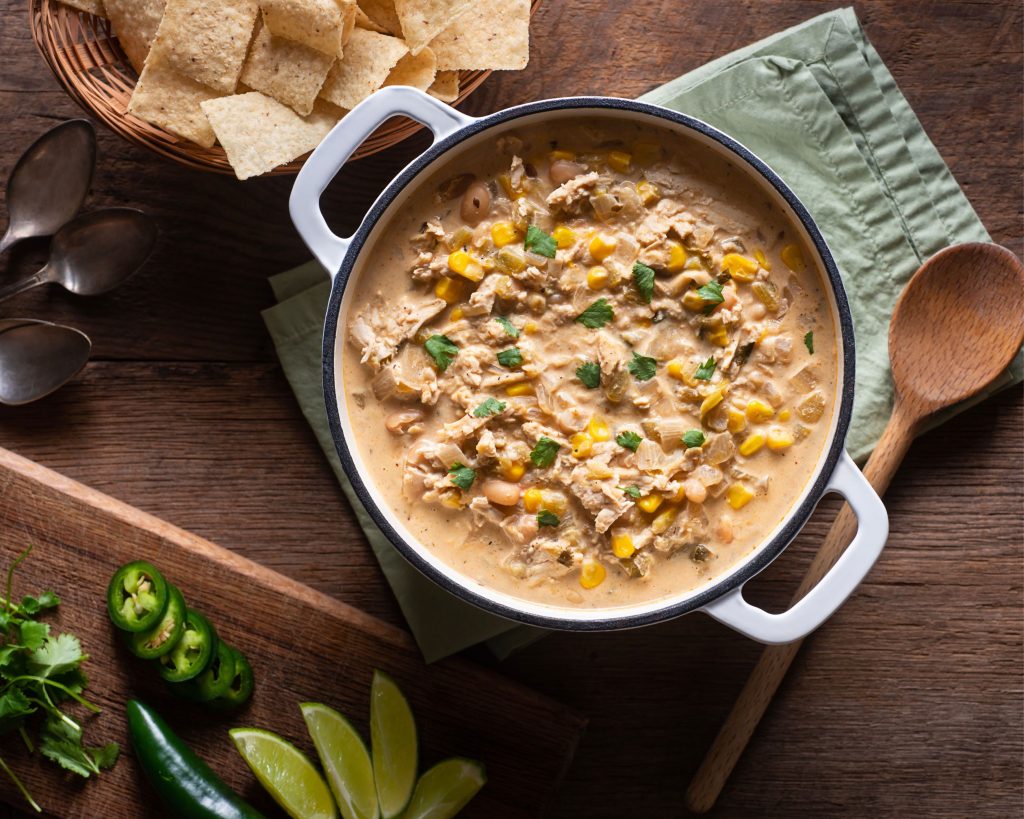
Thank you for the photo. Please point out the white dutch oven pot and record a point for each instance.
(341, 257)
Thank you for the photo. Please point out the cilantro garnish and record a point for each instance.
(546, 518)
(590, 374)
(809, 342)
(597, 315)
(442, 349)
(508, 326)
(642, 367)
(462, 475)
(630, 440)
(643, 279)
(711, 294)
(489, 407)
(544, 452)
(693, 438)
(540, 242)
(632, 491)
(512, 357)
(706, 370)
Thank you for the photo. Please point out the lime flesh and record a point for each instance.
(445, 789)
(345, 760)
(286, 773)
(393, 734)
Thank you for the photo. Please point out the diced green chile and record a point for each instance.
(240, 690)
(164, 636)
(193, 652)
(215, 680)
(137, 596)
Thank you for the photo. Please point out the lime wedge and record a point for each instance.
(393, 733)
(345, 760)
(445, 789)
(286, 773)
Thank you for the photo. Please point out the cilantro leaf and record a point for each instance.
(544, 452)
(512, 357)
(33, 605)
(706, 370)
(546, 518)
(711, 294)
(597, 315)
(809, 342)
(590, 374)
(14, 704)
(630, 440)
(540, 242)
(693, 438)
(489, 407)
(632, 491)
(643, 367)
(62, 743)
(442, 349)
(509, 328)
(462, 475)
(33, 634)
(643, 279)
(56, 656)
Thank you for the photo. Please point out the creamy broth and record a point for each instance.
(561, 454)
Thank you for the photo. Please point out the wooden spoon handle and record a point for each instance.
(770, 670)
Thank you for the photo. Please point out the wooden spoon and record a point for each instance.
(955, 329)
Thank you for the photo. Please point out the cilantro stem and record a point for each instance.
(10, 574)
(28, 740)
(76, 697)
(16, 781)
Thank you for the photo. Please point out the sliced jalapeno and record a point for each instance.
(192, 653)
(137, 596)
(160, 639)
(215, 680)
(240, 689)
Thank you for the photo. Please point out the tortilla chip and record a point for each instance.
(417, 70)
(172, 101)
(289, 72)
(135, 23)
(94, 7)
(495, 35)
(368, 59)
(365, 22)
(259, 133)
(206, 41)
(318, 24)
(382, 13)
(348, 22)
(445, 86)
(423, 20)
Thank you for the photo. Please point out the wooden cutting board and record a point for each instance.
(303, 645)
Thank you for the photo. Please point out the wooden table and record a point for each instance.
(908, 703)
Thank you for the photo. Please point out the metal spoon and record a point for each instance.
(49, 182)
(38, 357)
(955, 329)
(94, 252)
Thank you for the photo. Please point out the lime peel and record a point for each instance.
(394, 748)
(446, 789)
(345, 760)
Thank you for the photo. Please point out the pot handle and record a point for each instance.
(333, 152)
(821, 602)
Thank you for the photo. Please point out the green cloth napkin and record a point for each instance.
(819, 106)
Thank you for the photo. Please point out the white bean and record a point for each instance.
(476, 203)
(562, 170)
(695, 490)
(501, 493)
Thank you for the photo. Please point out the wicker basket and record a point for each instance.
(87, 60)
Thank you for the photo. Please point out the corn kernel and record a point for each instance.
(675, 369)
(449, 290)
(779, 439)
(739, 267)
(458, 261)
(693, 302)
(592, 574)
(762, 259)
(598, 429)
(564, 237)
(503, 233)
(532, 499)
(622, 545)
(597, 277)
(738, 495)
(650, 503)
(522, 388)
(712, 400)
(676, 257)
(793, 258)
(758, 411)
(678, 496)
(737, 420)
(785, 415)
(506, 185)
(648, 192)
(553, 501)
(620, 161)
(602, 245)
(456, 314)
(567, 156)
(719, 336)
(511, 470)
(662, 522)
(646, 153)
(530, 328)
(751, 444)
(582, 445)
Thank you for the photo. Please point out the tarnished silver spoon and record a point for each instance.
(37, 357)
(49, 182)
(94, 253)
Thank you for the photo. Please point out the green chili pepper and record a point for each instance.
(186, 786)
(164, 636)
(193, 652)
(214, 681)
(137, 596)
(240, 689)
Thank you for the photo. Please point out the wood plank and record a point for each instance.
(303, 645)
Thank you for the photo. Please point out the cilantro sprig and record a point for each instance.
(539, 242)
(643, 280)
(489, 407)
(629, 439)
(512, 357)
(462, 476)
(809, 342)
(589, 373)
(693, 438)
(442, 349)
(706, 370)
(510, 329)
(544, 452)
(546, 518)
(597, 315)
(642, 367)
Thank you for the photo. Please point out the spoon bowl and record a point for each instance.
(37, 357)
